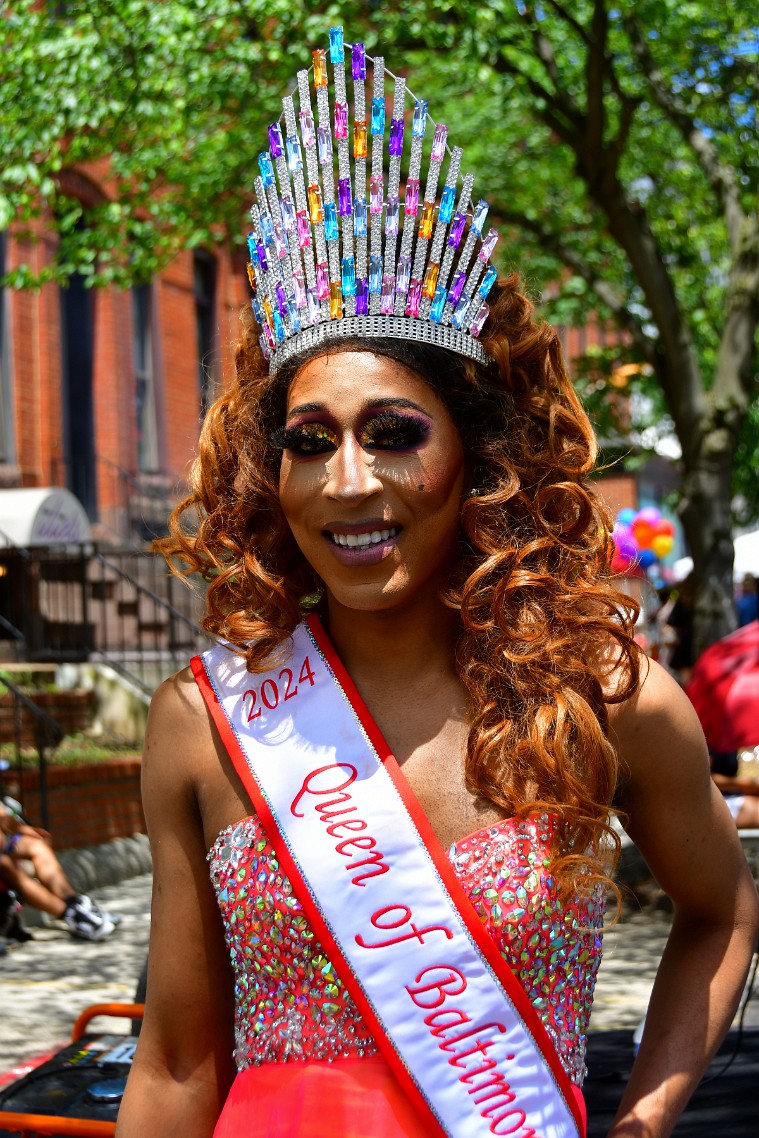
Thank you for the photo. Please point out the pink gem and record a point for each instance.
(411, 201)
(414, 298)
(341, 120)
(299, 288)
(375, 193)
(304, 229)
(322, 280)
(307, 129)
(488, 245)
(387, 302)
(480, 317)
(438, 143)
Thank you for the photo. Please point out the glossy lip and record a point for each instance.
(362, 555)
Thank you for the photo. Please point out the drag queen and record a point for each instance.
(379, 806)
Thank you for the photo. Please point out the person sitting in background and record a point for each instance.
(746, 604)
(49, 890)
(741, 795)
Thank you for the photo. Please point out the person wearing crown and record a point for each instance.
(380, 805)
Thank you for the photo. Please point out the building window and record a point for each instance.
(148, 459)
(6, 418)
(204, 267)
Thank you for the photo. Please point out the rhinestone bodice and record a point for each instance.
(289, 1002)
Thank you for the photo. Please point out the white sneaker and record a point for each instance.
(84, 922)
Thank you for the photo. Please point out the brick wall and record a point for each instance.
(87, 804)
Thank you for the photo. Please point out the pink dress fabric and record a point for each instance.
(302, 1046)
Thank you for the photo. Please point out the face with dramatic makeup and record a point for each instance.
(371, 479)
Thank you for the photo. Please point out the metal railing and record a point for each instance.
(47, 733)
(117, 607)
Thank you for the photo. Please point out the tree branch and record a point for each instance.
(595, 72)
(720, 176)
(606, 293)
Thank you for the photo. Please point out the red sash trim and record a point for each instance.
(461, 901)
(304, 896)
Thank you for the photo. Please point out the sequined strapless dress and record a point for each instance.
(302, 1048)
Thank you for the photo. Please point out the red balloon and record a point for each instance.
(643, 532)
(665, 528)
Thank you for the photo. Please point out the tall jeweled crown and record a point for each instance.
(327, 261)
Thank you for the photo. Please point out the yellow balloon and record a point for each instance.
(662, 544)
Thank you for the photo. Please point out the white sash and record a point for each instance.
(450, 1018)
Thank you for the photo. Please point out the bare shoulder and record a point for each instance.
(179, 740)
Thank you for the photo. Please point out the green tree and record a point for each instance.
(617, 143)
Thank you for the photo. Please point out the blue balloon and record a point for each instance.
(646, 557)
(627, 516)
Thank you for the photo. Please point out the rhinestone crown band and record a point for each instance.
(329, 261)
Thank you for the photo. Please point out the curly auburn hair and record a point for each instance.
(541, 625)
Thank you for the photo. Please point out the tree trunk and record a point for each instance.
(706, 516)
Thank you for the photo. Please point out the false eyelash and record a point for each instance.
(413, 428)
(278, 438)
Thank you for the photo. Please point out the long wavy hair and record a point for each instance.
(546, 640)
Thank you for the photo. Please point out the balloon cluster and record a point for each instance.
(641, 538)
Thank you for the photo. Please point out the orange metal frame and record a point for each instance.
(31, 1125)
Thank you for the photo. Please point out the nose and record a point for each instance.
(350, 474)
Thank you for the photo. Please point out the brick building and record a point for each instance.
(103, 390)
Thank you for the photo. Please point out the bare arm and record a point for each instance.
(684, 831)
(183, 1065)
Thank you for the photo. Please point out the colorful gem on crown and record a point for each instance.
(423, 274)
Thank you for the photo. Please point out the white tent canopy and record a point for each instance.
(42, 516)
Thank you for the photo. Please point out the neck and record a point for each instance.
(393, 645)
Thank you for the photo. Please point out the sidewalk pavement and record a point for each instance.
(47, 982)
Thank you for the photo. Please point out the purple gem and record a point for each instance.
(324, 142)
(362, 297)
(457, 288)
(344, 202)
(280, 241)
(313, 306)
(299, 288)
(395, 148)
(275, 140)
(457, 229)
(322, 280)
(281, 300)
(414, 298)
(341, 120)
(307, 129)
(404, 275)
(262, 259)
(288, 213)
(438, 143)
(488, 245)
(269, 337)
(304, 229)
(264, 344)
(391, 217)
(358, 61)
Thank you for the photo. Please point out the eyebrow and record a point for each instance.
(405, 404)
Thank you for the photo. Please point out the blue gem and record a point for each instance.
(258, 309)
(292, 312)
(279, 327)
(420, 119)
(266, 168)
(378, 116)
(252, 248)
(267, 229)
(445, 212)
(480, 213)
(359, 217)
(438, 304)
(375, 273)
(331, 231)
(349, 276)
(460, 313)
(487, 282)
(294, 162)
(336, 51)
